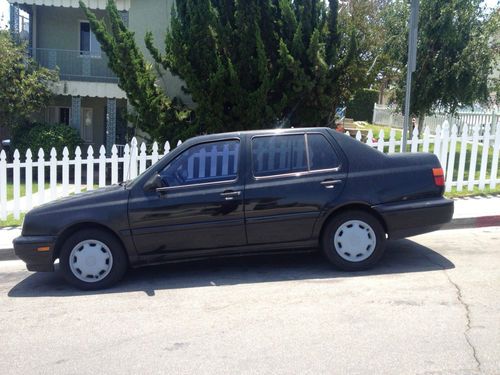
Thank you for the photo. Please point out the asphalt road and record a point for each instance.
(432, 306)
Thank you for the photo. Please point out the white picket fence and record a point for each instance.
(65, 174)
(386, 115)
(110, 170)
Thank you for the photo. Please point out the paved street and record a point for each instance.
(431, 307)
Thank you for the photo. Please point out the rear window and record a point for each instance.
(321, 153)
(278, 154)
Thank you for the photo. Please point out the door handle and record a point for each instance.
(330, 183)
(230, 194)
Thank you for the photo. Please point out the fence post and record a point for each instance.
(414, 140)
(65, 171)
(16, 186)
(133, 158)
(102, 166)
(437, 143)
(126, 162)
(392, 141)
(179, 142)
(78, 170)
(154, 155)
(380, 141)
(473, 158)
(494, 163)
(166, 148)
(114, 165)
(53, 174)
(445, 132)
(90, 168)
(463, 153)
(451, 157)
(142, 158)
(3, 185)
(484, 156)
(369, 138)
(28, 180)
(41, 176)
(427, 137)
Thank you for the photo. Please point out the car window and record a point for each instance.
(278, 154)
(321, 153)
(207, 162)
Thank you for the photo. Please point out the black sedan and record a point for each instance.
(239, 194)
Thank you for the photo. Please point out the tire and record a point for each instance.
(92, 259)
(353, 240)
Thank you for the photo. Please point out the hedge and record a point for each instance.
(360, 108)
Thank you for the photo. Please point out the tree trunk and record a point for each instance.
(421, 119)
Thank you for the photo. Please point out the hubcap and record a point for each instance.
(90, 261)
(354, 241)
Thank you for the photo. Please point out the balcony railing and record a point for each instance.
(75, 65)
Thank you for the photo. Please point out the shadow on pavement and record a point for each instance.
(401, 256)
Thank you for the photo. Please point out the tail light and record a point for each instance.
(438, 176)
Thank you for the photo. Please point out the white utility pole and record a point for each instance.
(411, 65)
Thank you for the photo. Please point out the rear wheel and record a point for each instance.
(92, 259)
(353, 240)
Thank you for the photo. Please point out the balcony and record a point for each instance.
(76, 65)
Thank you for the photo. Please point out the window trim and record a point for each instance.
(294, 174)
(86, 54)
(167, 188)
(335, 169)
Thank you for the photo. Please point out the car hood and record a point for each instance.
(101, 206)
(79, 199)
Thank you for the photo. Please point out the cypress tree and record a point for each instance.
(156, 113)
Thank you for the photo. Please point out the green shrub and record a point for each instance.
(360, 107)
(39, 135)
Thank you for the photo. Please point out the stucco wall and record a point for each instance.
(155, 16)
(59, 28)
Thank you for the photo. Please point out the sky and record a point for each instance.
(4, 11)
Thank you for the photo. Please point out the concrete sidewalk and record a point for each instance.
(471, 212)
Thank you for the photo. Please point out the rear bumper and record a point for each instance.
(405, 219)
(27, 248)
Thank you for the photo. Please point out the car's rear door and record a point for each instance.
(201, 206)
(291, 179)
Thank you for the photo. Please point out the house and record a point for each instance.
(88, 97)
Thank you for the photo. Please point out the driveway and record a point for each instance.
(432, 306)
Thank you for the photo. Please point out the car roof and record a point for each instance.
(276, 131)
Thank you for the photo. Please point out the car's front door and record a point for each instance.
(292, 179)
(200, 207)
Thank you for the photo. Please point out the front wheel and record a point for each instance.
(92, 259)
(353, 240)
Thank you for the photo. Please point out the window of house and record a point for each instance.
(88, 42)
(279, 154)
(321, 153)
(204, 163)
(58, 115)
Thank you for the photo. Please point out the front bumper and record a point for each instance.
(36, 251)
(409, 218)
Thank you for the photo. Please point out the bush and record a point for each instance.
(360, 108)
(39, 135)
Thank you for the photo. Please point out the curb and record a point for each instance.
(473, 222)
(459, 223)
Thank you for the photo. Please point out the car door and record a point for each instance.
(200, 205)
(292, 178)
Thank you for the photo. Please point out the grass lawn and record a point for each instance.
(474, 193)
(11, 222)
(10, 189)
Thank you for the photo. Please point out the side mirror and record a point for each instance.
(153, 183)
